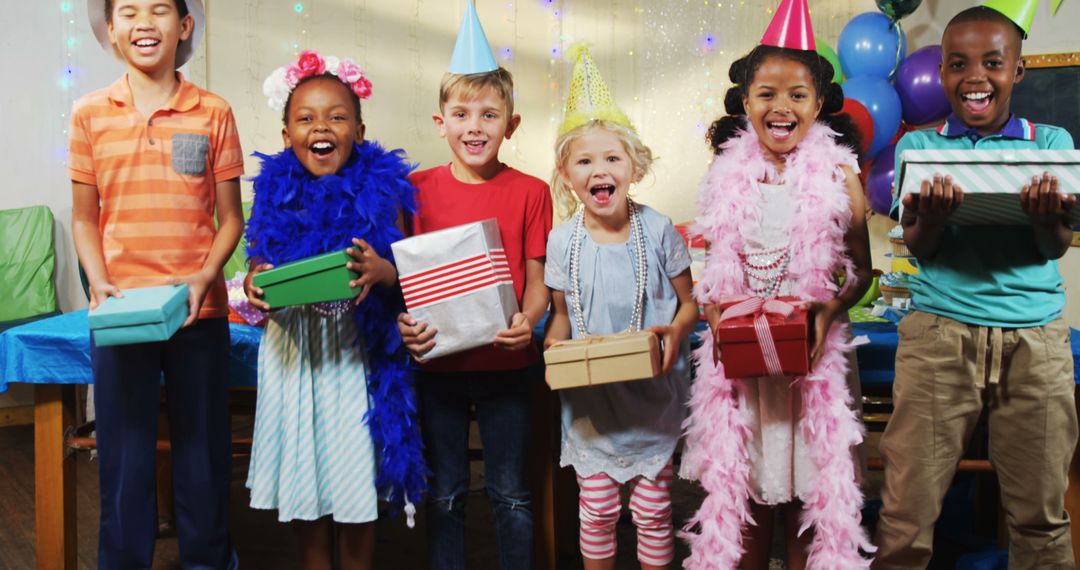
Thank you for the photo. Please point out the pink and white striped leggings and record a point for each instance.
(650, 505)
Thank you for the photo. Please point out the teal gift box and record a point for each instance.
(144, 314)
(311, 280)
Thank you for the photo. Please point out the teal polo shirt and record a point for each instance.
(988, 275)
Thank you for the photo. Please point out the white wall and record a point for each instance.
(652, 52)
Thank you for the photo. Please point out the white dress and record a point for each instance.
(312, 454)
(781, 466)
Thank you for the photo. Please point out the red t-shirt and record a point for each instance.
(522, 205)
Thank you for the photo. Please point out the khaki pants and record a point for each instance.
(946, 371)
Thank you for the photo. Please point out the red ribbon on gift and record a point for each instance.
(455, 279)
(758, 307)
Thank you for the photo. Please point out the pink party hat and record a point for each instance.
(790, 27)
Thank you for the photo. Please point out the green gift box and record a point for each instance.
(312, 280)
(144, 314)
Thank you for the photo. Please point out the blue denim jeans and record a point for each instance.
(503, 408)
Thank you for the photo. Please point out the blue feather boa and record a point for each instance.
(296, 215)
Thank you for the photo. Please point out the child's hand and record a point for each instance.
(372, 268)
(198, 286)
(518, 336)
(936, 200)
(823, 315)
(101, 291)
(672, 339)
(418, 338)
(255, 294)
(712, 315)
(1043, 202)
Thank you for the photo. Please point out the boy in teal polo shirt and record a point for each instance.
(987, 327)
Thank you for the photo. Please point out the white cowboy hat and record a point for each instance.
(184, 51)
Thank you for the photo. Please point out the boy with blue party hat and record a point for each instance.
(476, 113)
(986, 329)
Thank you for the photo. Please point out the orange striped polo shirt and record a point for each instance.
(156, 178)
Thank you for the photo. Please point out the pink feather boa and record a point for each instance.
(718, 429)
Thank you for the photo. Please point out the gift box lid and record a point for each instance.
(991, 179)
(300, 268)
(139, 306)
(998, 156)
(599, 347)
(420, 252)
(741, 329)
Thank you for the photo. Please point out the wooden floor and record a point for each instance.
(261, 541)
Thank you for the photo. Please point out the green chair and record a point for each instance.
(238, 262)
(27, 265)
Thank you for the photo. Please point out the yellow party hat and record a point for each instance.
(589, 98)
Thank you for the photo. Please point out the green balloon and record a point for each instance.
(825, 50)
(897, 9)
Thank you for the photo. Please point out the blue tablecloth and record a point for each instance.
(56, 350)
(877, 360)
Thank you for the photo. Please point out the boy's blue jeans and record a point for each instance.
(127, 384)
(503, 403)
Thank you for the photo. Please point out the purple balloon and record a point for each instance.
(880, 181)
(918, 83)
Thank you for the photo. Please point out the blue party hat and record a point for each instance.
(472, 53)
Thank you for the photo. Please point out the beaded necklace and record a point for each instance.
(334, 308)
(640, 276)
(769, 267)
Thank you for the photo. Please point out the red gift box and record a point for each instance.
(739, 336)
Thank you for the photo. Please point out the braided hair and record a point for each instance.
(741, 74)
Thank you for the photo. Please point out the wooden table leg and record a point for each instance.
(542, 482)
(54, 477)
(554, 490)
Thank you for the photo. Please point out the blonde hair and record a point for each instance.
(641, 157)
(468, 87)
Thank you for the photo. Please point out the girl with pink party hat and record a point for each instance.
(783, 211)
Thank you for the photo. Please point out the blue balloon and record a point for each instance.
(881, 100)
(870, 44)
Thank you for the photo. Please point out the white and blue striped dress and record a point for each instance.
(312, 454)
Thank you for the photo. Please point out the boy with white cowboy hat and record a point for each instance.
(152, 158)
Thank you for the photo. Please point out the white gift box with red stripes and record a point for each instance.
(458, 281)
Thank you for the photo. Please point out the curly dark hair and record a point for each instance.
(741, 74)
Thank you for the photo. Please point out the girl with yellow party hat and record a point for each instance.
(623, 433)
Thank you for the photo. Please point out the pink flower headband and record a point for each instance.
(283, 80)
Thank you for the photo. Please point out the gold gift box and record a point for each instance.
(603, 360)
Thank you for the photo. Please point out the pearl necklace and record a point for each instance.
(640, 276)
(769, 267)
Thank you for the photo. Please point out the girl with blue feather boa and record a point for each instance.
(335, 421)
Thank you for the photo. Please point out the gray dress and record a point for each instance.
(630, 428)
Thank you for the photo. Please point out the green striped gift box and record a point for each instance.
(991, 180)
